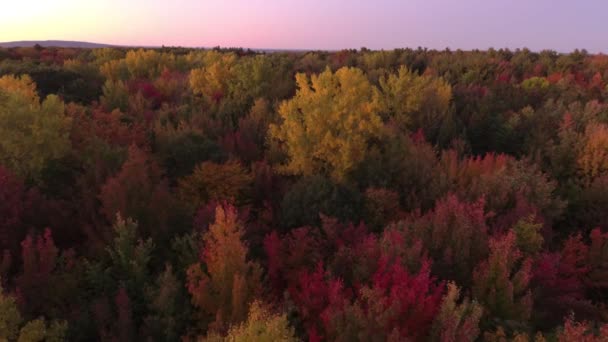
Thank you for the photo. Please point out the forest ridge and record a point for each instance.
(183, 194)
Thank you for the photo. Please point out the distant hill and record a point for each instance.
(54, 43)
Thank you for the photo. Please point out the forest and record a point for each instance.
(178, 194)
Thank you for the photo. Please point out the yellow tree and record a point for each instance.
(593, 158)
(230, 282)
(32, 133)
(261, 325)
(329, 123)
(415, 101)
(212, 80)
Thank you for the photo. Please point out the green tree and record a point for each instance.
(502, 282)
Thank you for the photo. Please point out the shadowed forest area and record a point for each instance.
(182, 194)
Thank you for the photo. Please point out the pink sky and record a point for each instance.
(318, 24)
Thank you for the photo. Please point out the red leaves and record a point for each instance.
(455, 235)
(562, 274)
(394, 302)
(414, 298)
(138, 191)
(40, 256)
(597, 278)
(313, 293)
(582, 332)
(13, 204)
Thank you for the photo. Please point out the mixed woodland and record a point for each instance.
(178, 194)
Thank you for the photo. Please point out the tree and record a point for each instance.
(33, 133)
(138, 191)
(211, 80)
(10, 317)
(456, 322)
(381, 207)
(13, 205)
(314, 195)
(314, 293)
(147, 63)
(168, 307)
(501, 282)
(455, 235)
(215, 182)
(582, 332)
(593, 159)
(597, 278)
(249, 140)
(13, 327)
(115, 96)
(416, 102)
(261, 325)
(397, 306)
(230, 282)
(117, 282)
(558, 282)
(328, 125)
(183, 148)
(527, 231)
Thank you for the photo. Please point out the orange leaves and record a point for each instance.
(230, 282)
(593, 158)
(22, 86)
(211, 181)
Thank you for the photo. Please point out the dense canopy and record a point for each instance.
(227, 195)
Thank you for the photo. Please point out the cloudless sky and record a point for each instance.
(561, 25)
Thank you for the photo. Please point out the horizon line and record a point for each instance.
(110, 45)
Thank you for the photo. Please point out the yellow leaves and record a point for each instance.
(10, 318)
(527, 231)
(136, 64)
(211, 80)
(22, 86)
(535, 83)
(415, 101)
(32, 133)
(327, 126)
(231, 281)
(114, 70)
(593, 158)
(262, 326)
(212, 181)
(147, 63)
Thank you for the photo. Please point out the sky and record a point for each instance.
(561, 25)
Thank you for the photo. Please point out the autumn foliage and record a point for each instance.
(178, 194)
